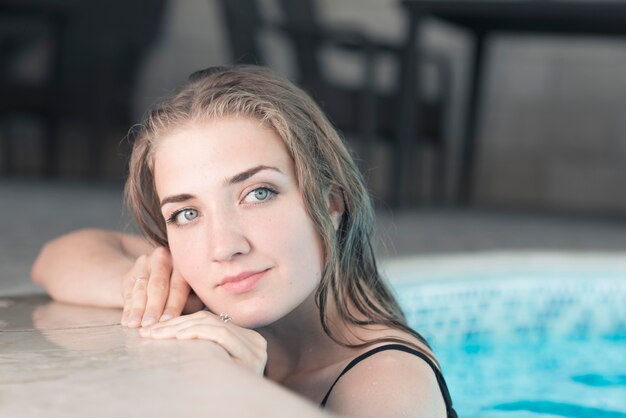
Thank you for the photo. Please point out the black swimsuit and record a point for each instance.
(451, 413)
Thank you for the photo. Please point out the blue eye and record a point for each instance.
(183, 216)
(259, 194)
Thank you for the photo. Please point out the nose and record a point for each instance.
(226, 238)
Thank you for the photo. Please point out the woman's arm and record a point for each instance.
(87, 266)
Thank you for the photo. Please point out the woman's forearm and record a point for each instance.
(86, 266)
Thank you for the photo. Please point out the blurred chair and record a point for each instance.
(102, 52)
(96, 50)
(22, 28)
(362, 111)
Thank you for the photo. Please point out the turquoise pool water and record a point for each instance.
(527, 342)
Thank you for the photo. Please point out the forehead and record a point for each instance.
(217, 149)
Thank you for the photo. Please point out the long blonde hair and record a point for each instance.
(350, 279)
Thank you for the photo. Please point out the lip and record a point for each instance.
(242, 282)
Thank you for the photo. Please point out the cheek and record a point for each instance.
(303, 249)
(186, 258)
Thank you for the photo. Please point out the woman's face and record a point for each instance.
(236, 223)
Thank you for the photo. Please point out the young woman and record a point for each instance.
(259, 227)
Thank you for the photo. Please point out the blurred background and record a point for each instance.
(544, 165)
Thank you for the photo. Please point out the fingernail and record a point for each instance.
(134, 321)
(147, 321)
(165, 317)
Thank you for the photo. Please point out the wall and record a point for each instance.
(554, 131)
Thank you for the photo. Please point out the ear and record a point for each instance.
(336, 206)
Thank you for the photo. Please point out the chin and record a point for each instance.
(255, 318)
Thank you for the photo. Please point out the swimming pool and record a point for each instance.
(523, 335)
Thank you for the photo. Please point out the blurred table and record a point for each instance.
(59, 360)
(484, 19)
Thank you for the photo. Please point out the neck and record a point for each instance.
(297, 344)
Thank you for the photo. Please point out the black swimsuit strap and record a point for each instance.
(440, 380)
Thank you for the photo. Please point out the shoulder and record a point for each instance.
(389, 383)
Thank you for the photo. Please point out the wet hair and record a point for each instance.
(351, 285)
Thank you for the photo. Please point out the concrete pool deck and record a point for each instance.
(64, 360)
(59, 360)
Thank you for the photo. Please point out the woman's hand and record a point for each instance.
(154, 292)
(245, 346)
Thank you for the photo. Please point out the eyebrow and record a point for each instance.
(237, 178)
(245, 175)
(176, 198)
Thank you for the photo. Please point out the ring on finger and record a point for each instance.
(225, 317)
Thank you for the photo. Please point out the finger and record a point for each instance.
(127, 306)
(245, 346)
(179, 322)
(125, 314)
(243, 350)
(216, 332)
(139, 269)
(177, 298)
(158, 287)
(176, 328)
(138, 302)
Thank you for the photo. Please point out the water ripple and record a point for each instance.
(598, 380)
(559, 409)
